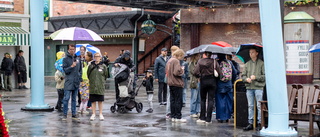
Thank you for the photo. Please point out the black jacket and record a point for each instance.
(19, 63)
(73, 74)
(121, 59)
(7, 66)
(148, 83)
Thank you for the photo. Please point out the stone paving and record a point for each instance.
(131, 124)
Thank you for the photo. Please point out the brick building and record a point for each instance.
(236, 24)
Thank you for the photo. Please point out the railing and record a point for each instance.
(149, 55)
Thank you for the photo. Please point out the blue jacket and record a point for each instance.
(160, 68)
(72, 74)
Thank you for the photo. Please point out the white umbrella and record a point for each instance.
(75, 34)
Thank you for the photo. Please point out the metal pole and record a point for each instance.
(37, 58)
(135, 43)
(272, 38)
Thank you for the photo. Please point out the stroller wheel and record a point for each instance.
(139, 107)
(113, 109)
(122, 110)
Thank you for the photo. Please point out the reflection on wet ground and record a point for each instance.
(131, 124)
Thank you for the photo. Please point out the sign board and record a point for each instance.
(7, 39)
(297, 57)
(6, 5)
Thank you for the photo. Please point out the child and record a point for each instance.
(84, 90)
(148, 83)
(59, 78)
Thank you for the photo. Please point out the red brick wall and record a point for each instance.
(65, 8)
(18, 7)
(113, 50)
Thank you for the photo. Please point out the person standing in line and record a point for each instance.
(97, 74)
(82, 56)
(206, 70)
(59, 78)
(254, 78)
(105, 60)
(148, 83)
(185, 78)
(194, 88)
(21, 70)
(174, 75)
(168, 111)
(7, 67)
(159, 75)
(224, 89)
(73, 73)
(84, 85)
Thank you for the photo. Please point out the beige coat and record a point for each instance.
(60, 82)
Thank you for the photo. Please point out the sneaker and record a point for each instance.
(151, 110)
(20, 87)
(194, 115)
(101, 117)
(64, 117)
(75, 117)
(249, 127)
(148, 110)
(164, 103)
(93, 116)
(89, 108)
(208, 122)
(24, 87)
(168, 116)
(182, 120)
(173, 119)
(79, 111)
(200, 121)
(85, 112)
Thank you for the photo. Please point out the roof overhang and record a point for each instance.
(171, 5)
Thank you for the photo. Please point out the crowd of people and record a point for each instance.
(210, 78)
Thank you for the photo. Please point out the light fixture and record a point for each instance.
(213, 10)
(239, 9)
(292, 8)
(189, 9)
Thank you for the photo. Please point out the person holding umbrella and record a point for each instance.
(207, 69)
(254, 78)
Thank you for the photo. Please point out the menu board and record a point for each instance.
(297, 57)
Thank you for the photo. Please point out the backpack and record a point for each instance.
(226, 70)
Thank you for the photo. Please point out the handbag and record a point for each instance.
(216, 74)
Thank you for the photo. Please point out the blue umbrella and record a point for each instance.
(89, 47)
(315, 48)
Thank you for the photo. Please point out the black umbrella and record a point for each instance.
(243, 52)
(212, 48)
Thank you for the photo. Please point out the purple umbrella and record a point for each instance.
(75, 34)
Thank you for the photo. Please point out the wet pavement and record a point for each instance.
(131, 124)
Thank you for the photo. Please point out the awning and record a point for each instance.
(14, 36)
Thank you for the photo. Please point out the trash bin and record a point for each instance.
(241, 105)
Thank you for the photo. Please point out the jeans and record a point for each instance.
(150, 97)
(66, 98)
(168, 111)
(7, 82)
(176, 101)
(253, 94)
(60, 98)
(195, 101)
(184, 95)
(162, 93)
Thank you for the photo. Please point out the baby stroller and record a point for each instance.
(126, 102)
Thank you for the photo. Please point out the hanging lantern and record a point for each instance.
(148, 27)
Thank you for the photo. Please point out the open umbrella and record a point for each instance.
(75, 34)
(221, 44)
(243, 52)
(189, 53)
(213, 49)
(89, 47)
(315, 48)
